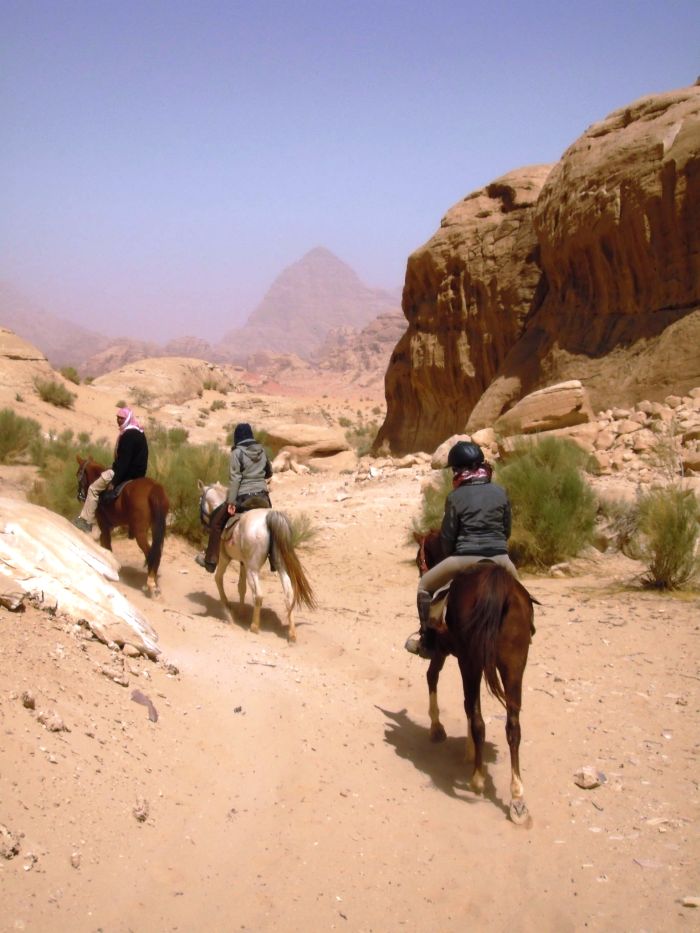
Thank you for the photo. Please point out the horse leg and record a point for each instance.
(256, 589)
(151, 587)
(437, 731)
(471, 682)
(224, 561)
(288, 603)
(241, 584)
(512, 685)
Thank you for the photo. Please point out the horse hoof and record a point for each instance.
(437, 733)
(292, 638)
(477, 783)
(519, 813)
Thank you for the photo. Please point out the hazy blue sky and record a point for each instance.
(164, 161)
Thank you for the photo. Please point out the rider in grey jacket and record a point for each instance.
(249, 470)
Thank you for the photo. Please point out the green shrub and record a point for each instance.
(303, 529)
(178, 469)
(623, 520)
(53, 392)
(433, 504)
(217, 404)
(17, 436)
(88, 380)
(57, 485)
(553, 507)
(666, 538)
(71, 374)
(361, 436)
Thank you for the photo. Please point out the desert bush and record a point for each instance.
(71, 374)
(17, 436)
(57, 485)
(433, 504)
(666, 538)
(361, 435)
(160, 436)
(303, 530)
(53, 392)
(622, 519)
(217, 404)
(553, 507)
(178, 469)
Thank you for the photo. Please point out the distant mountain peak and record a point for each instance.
(310, 298)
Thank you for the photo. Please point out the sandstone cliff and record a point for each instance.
(591, 272)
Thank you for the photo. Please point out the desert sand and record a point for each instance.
(294, 787)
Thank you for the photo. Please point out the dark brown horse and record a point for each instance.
(141, 507)
(488, 626)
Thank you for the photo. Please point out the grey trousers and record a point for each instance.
(441, 574)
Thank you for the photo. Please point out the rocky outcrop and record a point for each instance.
(154, 382)
(608, 291)
(469, 291)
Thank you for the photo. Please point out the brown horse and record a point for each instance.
(488, 626)
(142, 506)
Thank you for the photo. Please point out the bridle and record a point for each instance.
(420, 559)
(82, 481)
(204, 515)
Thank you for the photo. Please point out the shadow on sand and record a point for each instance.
(444, 763)
(211, 607)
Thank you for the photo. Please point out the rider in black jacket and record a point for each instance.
(476, 526)
(130, 462)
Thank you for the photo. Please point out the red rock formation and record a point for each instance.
(601, 284)
(468, 293)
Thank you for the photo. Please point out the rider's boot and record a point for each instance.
(420, 645)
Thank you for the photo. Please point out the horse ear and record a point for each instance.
(200, 485)
(79, 459)
(418, 537)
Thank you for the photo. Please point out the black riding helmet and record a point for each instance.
(465, 455)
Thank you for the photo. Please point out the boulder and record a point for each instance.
(557, 406)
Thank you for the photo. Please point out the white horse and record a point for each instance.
(256, 535)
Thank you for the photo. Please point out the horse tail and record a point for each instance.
(284, 555)
(159, 505)
(481, 625)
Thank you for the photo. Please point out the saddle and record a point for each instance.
(244, 504)
(111, 495)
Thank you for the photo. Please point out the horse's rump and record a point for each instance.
(482, 602)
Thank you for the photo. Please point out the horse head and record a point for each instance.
(210, 498)
(429, 549)
(87, 472)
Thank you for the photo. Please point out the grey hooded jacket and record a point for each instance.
(248, 469)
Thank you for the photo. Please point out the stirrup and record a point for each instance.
(414, 645)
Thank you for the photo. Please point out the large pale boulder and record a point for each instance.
(44, 558)
(558, 406)
(317, 440)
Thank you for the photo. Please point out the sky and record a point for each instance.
(163, 161)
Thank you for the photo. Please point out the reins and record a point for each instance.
(82, 482)
(422, 562)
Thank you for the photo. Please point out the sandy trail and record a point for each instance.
(295, 787)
